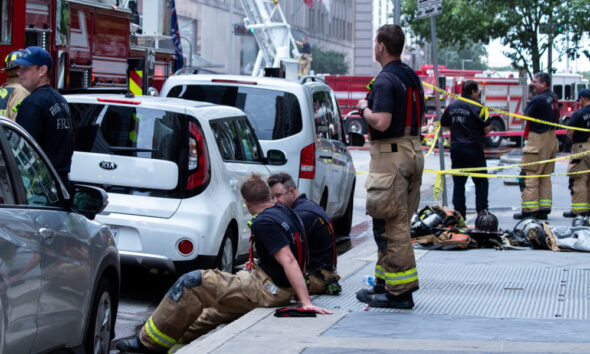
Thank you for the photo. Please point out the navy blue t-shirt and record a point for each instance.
(466, 125)
(46, 116)
(270, 235)
(580, 119)
(542, 106)
(322, 244)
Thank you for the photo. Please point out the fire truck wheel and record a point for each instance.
(494, 141)
(356, 125)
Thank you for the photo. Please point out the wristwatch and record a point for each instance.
(362, 109)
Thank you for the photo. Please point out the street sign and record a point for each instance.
(427, 8)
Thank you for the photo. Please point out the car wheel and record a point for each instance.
(343, 225)
(494, 141)
(356, 125)
(100, 329)
(225, 259)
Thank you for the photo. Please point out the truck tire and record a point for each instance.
(343, 225)
(356, 125)
(497, 126)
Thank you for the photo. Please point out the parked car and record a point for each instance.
(300, 118)
(59, 271)
(172, 169)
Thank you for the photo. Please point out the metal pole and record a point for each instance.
(190, 51)
(397, 12)
(230, 52)
(441, 150)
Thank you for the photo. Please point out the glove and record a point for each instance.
(297, 312)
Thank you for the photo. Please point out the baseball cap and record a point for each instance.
(34, 56)
(584, 93)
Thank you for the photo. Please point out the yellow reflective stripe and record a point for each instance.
(379, 272)
(2, 112)
(404, 277)
(535, 203)
(158, 337)
(546, 202)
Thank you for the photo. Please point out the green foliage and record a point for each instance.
(328, 62)
(473, 53)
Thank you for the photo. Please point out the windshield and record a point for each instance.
(273, 114)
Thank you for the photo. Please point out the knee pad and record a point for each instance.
(188, 280)
(522, 181)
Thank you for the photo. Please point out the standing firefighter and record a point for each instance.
(468, 130)
(541, 145)
(11, 93)
(202, 299)
(394, 110)
(580, 184)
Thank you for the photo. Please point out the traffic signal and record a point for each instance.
(241, 30)
(559, 28)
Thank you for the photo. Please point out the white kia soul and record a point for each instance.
(172, 169)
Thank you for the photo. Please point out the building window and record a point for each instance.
(6, 26)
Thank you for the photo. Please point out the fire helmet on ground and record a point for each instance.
(486, 221)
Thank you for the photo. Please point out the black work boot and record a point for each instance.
(134, 345)
(366, 295)
(543, 214)
(569, 214)
(525, 214)
(387, 300)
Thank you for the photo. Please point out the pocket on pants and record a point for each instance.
(381, 195)
(530, 154)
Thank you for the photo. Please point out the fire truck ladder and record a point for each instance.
(274, 38)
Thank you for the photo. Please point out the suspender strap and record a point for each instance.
(414, 92)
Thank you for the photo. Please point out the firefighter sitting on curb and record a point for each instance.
(579, 185)
(541, 144)
(11, 93)
(272, 281)
(321, 275)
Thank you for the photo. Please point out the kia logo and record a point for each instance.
(107, 165)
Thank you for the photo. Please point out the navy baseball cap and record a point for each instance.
(34, 56)
(584, 93)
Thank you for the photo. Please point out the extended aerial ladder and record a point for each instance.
(272, 33)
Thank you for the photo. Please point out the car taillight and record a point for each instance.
(185, 247)
(307, 162)
(198, 164)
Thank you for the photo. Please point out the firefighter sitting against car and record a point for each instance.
(321, 275)
(11, 93)
(541, 145)
(580, 184)
(272, 281)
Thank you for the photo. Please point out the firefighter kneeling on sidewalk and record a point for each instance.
(201, 294)
(541, 145)
(579, 184)
(321, 275)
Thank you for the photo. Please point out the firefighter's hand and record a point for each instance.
(362, 103)
(317, 309)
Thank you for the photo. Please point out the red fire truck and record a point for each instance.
(90, 44)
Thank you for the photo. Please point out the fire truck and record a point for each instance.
(90, 43)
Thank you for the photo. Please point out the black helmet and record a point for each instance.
(11, 57)
(486, 221)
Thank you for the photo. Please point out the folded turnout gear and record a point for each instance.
(294, 312)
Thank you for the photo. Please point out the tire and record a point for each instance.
(356, 125)
(102, 320)
(226, 256)
(494, 141)
(343, 225)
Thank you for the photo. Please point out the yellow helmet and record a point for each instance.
(11, 57)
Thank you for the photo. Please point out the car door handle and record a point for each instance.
(327, 157)
(46, 234)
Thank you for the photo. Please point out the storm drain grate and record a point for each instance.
(487, 290)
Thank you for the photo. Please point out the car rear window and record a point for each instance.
(273, 114)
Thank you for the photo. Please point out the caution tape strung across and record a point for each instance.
(434, 141)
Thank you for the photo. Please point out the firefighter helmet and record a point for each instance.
(486, 221)
(425, 223)
(11, 57)
(581, 220)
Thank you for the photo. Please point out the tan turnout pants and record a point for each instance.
(536, 192)
(579, 185)
(393, 194)
(319, 285)
(202, 299)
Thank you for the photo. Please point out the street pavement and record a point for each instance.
(470, 301)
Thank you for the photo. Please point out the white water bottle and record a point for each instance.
(369, 280)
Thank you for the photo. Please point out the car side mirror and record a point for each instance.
(275, 157)
(88, 200)
(355, 139)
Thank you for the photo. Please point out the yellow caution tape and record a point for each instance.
(434, 141)
(486, 110)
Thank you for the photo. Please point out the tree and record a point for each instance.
(473, 53)
(517, 23)
(328, 62)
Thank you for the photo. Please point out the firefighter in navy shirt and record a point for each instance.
(579, 184)
(541, 145)
(321, 275)
(45, 113)
(468, 132)
(272, 281)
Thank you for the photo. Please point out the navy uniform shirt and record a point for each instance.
(543, 107)
(580, 119)
(322, 245)
(46, 116)
(270, 236)
(465, 123)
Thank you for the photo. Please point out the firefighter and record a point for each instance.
(541, 145)
(272, 281)
(11, 93)
(468, 132)
(579, 185)
(394, 111)
(321, 275)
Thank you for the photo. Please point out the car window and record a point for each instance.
(225, 140)
(326, 123)
(558, 89)
(6, 194)
(273, 114)
(248, 141)
(235, 140)
(39, 183)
